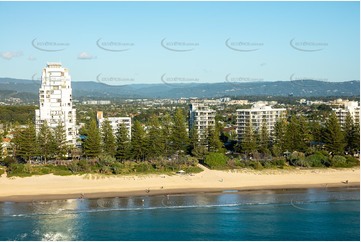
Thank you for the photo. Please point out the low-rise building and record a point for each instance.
(115, 122)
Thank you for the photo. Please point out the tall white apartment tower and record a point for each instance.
(256, 115)
(202, 118)
(55, 101)
(352, 107)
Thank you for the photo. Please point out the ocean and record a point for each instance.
(299, 214)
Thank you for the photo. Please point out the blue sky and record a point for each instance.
(150, 42)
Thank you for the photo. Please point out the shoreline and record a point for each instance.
(95, 195)
(50, 187)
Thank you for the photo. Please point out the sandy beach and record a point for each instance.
(48, 187)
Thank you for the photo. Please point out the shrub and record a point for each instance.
(143, 167)
(2, 170)
(8, 161)
(281, 162)
(216, 160)
(338, 161)
(193, 169)
(298, 159)
(256, 165)
(318, 160)
(117, 168)
(105, 170)
(84, 166)
(266, 164)
(352, 161)
(21, 170)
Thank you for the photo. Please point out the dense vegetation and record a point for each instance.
(104, 165)
(20, 114)
(161, 143)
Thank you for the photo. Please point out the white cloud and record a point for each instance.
(8, 55)
(85, 56)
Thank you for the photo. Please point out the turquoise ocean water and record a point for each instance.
(301, 214)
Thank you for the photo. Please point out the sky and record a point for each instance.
(153, 42)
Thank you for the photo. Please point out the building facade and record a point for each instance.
(352, 107)
(114, 122)
(256, 115)
(201, 117)
(55, 101)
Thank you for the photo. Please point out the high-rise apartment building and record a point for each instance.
(55, 101)
(201, 117)
(114, 122)
(256, 115)
(351, 107)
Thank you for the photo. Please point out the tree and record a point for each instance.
(263, 143)
(123, 143)
(351, 134)
(216, 160)
(46, 141)
(196, 148)
(61, 146)
(280, 142)
(138, 141)
(356, 138)
(179, 132)
(25, 142)
(108, 139)
(315, 132)
(155, 139)
(333, 136)
(92, 143)
(248, 142)
(214, 143)
(166, 123)
(297, 134)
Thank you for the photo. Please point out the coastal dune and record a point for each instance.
(49, 187)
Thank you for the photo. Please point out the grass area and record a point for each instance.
(2, 170)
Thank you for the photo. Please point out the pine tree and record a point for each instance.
(297, 134)
(138, 142)
(166, 123)
(108, 139)
(315, 129)
(155, 139)
(348, 132)
(355, 142)
(61, 147)
(248, 142)
(26, 145)
(179, 132)
(123, 143)
(351, 132)
(280, 129)
(46, 141)
(214, 143)
(333, 136)
(264, 138)
(196, 148)
(92, 143)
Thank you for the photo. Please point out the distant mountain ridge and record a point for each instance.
(97, 90)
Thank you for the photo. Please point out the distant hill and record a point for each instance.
(96, 90)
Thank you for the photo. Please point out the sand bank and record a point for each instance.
(48, 187)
